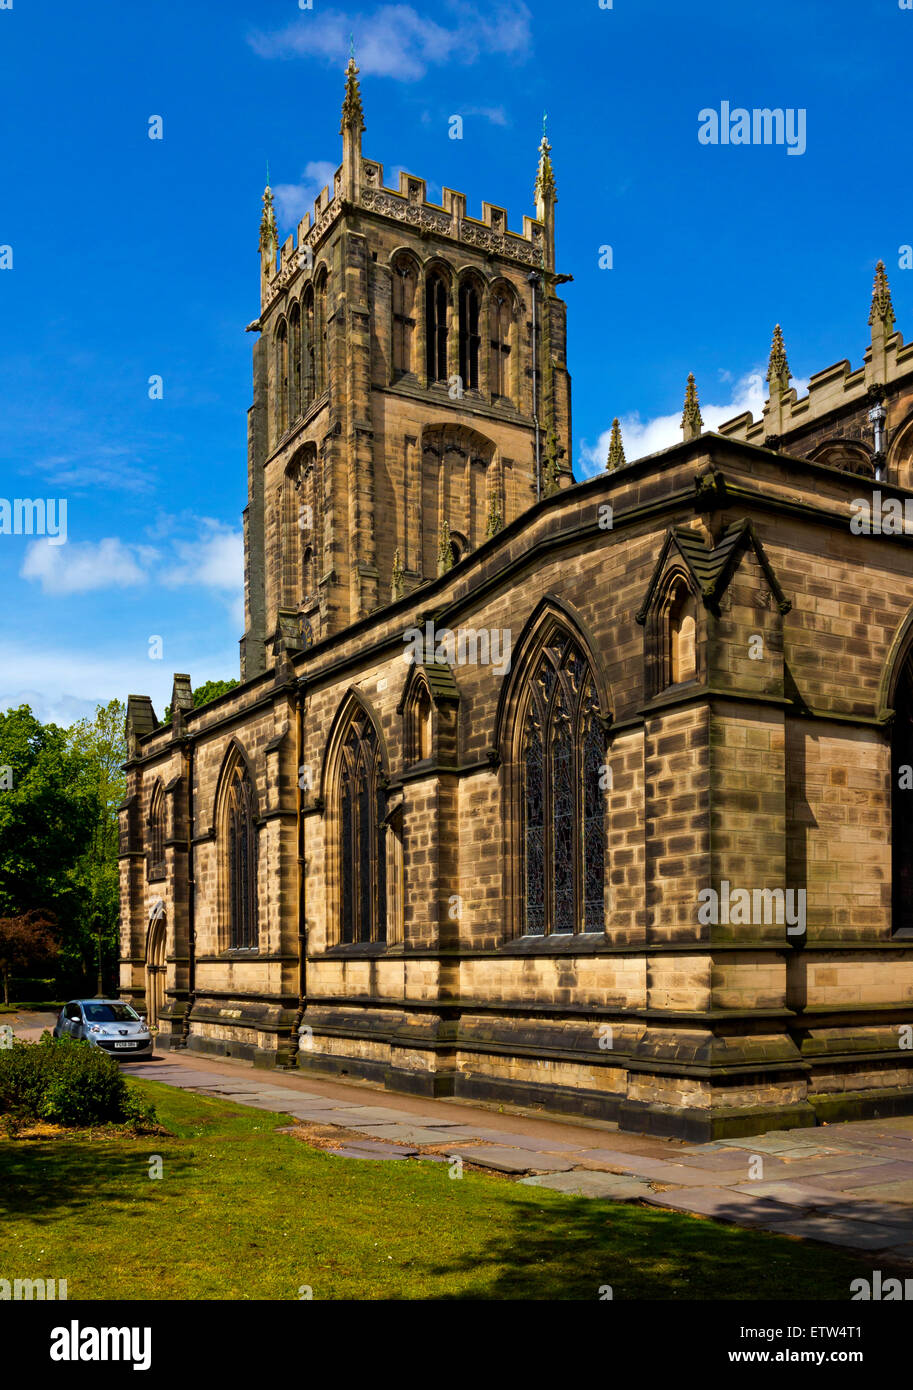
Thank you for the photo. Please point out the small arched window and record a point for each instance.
(282, 377)
(436, 327)
(157, 832)
(501, 330)
(362, 834)
(470, 339)
(563, 779)
(681, 638)
(243, 845)
(418, 724)
(405, 281)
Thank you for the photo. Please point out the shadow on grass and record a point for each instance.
(584, 1247)
(46, 1180)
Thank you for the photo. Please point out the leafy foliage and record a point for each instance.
(101, 745)
(26, 942)
(210, 690)
(66, 1082)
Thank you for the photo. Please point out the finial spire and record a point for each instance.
(692, 421)
(882, 309)
(545, 176)
(269, 234)
(778, 373)
(616, 457)
(352, 114)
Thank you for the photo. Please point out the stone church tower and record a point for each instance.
(650, 861)
(411, 394)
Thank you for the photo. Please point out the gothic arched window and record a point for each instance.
(404, 286)
(470, 339)
(363, 842)
(436, 327)
(501, 326)
(282, 378)
(562, 755)
(321, 332)
(681, 634)
(157, 832)
(295, 400)
(242, 860)
(309, 360)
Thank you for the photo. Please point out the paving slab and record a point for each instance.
(406, 1134)
(871, 1175)
(372, 1152)
(898, 1192)
(835, 1230)
(505, 1160)
(588, 1183)
(723, 1205)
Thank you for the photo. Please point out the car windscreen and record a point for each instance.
(109, 1013)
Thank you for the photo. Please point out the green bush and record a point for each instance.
(66, 1082)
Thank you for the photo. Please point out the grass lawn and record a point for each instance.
(242, 1212)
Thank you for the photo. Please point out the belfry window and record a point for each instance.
(309, 348)
(363, 832)
(295, 401)
(563, 798)
(282, 378)
(404, 286)
(470, 340)
(436, 327)
(501, 321)
(242, 862)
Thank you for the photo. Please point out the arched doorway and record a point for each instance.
(155, 963)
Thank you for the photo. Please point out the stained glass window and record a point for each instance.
(363, 877)
(563, 755)
(242, 862)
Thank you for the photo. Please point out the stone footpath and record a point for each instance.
(844, 1184)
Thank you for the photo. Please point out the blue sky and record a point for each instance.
(134, 258)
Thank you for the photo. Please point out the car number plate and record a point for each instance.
(125, 1044)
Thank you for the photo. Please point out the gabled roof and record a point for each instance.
(712, 569)
(440, 678)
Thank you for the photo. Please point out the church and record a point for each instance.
(590, 796)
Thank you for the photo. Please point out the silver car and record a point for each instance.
(110, 1024)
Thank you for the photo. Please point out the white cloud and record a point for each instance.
(293, 200)
(215, 560)
(212, 558)
(396, 41)
(79, 566)
(642, 437)
(495, 114)
(63, 684)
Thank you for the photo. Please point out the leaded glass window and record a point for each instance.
(362, 815)
(242, 862)
(563, 776)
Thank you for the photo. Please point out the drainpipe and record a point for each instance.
(533, 279)
(302, 920)
(191, 902)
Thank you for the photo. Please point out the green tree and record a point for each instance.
(210, 690)
(101, 746)
(48, 810)
(27, 943)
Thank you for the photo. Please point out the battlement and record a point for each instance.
(408, 204)
(839, 387)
